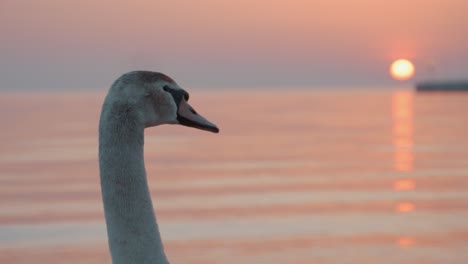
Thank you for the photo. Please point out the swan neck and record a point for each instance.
(133, 233)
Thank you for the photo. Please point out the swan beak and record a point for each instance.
(187, 116)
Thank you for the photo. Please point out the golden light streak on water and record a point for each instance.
(404, 185)
(402, 113)
(405, 207)
(406, 242)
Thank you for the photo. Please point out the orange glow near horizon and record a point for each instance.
(402, 69)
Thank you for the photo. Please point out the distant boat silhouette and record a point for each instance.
(442, 86)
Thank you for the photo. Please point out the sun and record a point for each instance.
(402, 69)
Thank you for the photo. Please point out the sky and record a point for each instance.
(86, 44)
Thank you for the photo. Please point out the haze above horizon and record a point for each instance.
(208, 43)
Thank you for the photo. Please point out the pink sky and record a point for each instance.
(216, 43)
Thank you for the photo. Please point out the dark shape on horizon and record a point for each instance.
(441, 86)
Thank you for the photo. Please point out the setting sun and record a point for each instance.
(402, 69)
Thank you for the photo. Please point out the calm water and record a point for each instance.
(294, 177)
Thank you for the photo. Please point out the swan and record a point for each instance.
(135, 101)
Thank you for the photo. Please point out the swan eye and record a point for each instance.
(166, 88)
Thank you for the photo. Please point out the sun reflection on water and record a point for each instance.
(404, 185)
(406, 242)
(405, 207)
(402, 114)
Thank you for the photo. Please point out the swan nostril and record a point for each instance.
(193, 111)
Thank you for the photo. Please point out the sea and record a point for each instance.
(300, 176)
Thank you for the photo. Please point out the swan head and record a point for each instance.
(156, 99)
